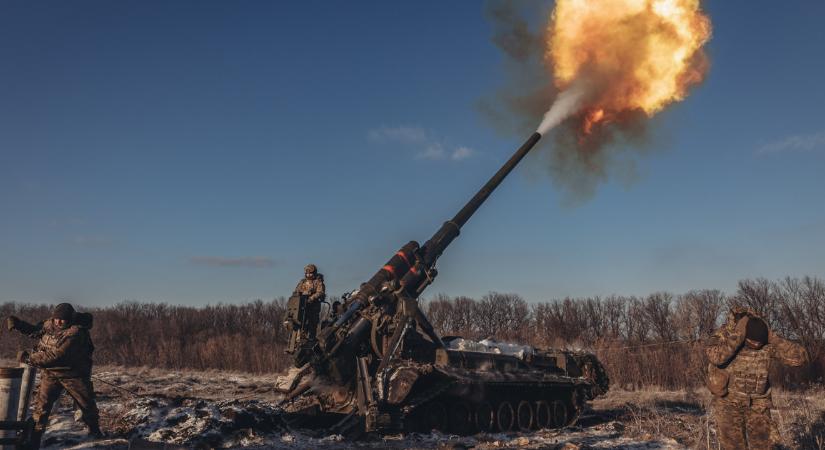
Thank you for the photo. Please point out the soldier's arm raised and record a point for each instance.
(788, 352)
(24, 327)
(723, 344)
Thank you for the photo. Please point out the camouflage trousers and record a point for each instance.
(79, 389)
(743, 423)
(313, 316)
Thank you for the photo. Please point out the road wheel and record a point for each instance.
(524, 415)
(505, 416)
(558, 412)
(543, 415)
(485, 417)
(461, 418)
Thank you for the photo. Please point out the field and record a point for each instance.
(212, 368)
(220, 409)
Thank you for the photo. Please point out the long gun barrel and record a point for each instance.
(450, 230)
(410, 270)
(467, 211)
(414, 282)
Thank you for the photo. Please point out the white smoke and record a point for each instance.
(566, 104)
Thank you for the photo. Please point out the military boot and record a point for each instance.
(95, 433)
(34, 440)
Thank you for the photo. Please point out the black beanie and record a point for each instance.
(63, 311)
(757, 330)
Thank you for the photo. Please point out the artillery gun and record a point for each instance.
(382, 367)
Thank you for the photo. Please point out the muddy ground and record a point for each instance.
(152, 408)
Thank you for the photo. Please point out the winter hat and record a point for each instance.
(63, 311)
(757, 330)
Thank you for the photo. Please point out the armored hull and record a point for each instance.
(458, 391)
(465, 392)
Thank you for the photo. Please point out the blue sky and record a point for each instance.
(203, 152)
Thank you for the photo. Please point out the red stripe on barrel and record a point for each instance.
(404, 257)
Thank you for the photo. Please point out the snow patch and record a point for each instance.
(491, 346)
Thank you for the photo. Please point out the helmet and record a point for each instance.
(737, 312)
(310, 268)
(63, 311)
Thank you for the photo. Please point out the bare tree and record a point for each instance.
(656, 311)
(631, 335)
(698, 313)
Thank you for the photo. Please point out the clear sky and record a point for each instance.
(201, 152)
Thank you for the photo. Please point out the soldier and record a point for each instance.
(312, 287)
(740, 354)
(64, 353)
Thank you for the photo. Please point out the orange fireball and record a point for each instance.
(637, 54)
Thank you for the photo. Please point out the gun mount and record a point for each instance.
(381, 366)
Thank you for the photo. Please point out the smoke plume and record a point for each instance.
(566, 103)
(604, 68)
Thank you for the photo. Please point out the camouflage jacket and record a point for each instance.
(64, 353)
(738, 369)
(314, 289)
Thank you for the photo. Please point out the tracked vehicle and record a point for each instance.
(380, 366)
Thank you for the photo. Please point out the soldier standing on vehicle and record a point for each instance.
(740, 354)
(312, 288)
(64, 353)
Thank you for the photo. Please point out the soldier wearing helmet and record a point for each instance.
(312, 288)
(64, 353)
(740, 354)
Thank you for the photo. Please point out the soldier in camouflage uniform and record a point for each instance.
(64, 353)
(311, 286)
(740, 354)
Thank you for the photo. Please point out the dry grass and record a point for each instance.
(686, 416)
(800, 418)
(680, 415)
(188, 383)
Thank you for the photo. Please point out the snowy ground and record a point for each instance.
(230, 410)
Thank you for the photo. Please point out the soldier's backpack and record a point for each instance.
(82, 319)
(85, 320)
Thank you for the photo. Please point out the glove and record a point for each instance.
(23, 357)
(11, 322)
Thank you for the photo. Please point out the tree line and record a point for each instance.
(651, 340)
(248, 337)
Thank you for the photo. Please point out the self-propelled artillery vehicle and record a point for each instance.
(380, 366)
